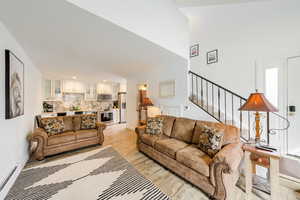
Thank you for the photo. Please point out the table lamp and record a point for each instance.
(258, 102)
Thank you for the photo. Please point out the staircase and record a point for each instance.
(220, 103)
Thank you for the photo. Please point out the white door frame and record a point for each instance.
(286, 100)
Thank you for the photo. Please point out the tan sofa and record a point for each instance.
(176, 149)
(72, 138)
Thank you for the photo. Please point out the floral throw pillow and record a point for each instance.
(53, 126)
(210, 140)
(88, 121)
(154, 126)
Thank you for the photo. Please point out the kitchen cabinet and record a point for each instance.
(70, 86)
(115, 91)
(52, 89)
(104, 88)
(90, 92)
(116, 116)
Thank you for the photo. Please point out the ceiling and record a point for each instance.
(64, 41)
(198, 3)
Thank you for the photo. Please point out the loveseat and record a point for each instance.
(59, 134)
(177, 148)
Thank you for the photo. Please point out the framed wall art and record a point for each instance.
(167, 89)
(14, 86)
(194, 50)
(212, 56)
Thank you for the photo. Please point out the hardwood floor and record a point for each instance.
(124, 141)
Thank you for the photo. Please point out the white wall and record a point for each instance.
(13, 144)
(265, 32)
(157, 20)
(177, 69)
(131, 103)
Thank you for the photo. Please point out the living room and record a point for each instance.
(196, 60)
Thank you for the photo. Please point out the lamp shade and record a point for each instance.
(258, 102)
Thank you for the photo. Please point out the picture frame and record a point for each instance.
(14, 86)
(194, 50)
(212, 56)
(167, 89)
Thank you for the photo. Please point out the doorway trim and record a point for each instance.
(286, 103)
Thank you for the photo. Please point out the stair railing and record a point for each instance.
(220, 103)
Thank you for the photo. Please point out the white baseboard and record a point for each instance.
(13, 178)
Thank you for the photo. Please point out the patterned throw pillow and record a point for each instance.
(154, 126)
(210, 140)
(53, 126)
(88, 121)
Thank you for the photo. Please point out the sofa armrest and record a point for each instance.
(100, 128)
(231, 155)
(140, 130)
(224, 170)
(101, 125)
(40, 137)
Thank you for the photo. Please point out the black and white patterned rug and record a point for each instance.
(100, 174)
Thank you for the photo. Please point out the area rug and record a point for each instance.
(99, 174)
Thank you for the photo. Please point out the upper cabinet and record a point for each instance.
(90, 92)
(52, 89)
(71, 86)
(104, 88)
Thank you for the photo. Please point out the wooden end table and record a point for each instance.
(265, 159)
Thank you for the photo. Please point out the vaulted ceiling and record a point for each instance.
(187, 3)
(65, 40)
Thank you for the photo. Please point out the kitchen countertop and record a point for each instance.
(73, 111)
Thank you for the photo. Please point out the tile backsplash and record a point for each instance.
(70, 100)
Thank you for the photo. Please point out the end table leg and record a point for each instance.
(274, 179)
(248, 175)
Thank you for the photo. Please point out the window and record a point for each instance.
(271, 85)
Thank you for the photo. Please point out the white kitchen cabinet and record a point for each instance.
(115, 91)
(116, 116)
(90, 92)
(104, 88)
(52, 89)
(70, 86)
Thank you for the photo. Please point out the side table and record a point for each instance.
(266, 159)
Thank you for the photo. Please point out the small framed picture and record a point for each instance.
(212, 56)
(194, 50)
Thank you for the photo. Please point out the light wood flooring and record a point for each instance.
(124, 141)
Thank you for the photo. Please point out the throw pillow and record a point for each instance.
(210, 140)
(53, 126)
(88, 121)
(154, 126)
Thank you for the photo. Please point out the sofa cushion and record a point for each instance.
(62, 138)
(76, 123)
(210, 140)
(169, 146)
(151, 139)
(168, 125)
(183, 129)
(195, 159)
(88, 122)
(53, 125)
(68, 122)
(83, 134)
(154, 125)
